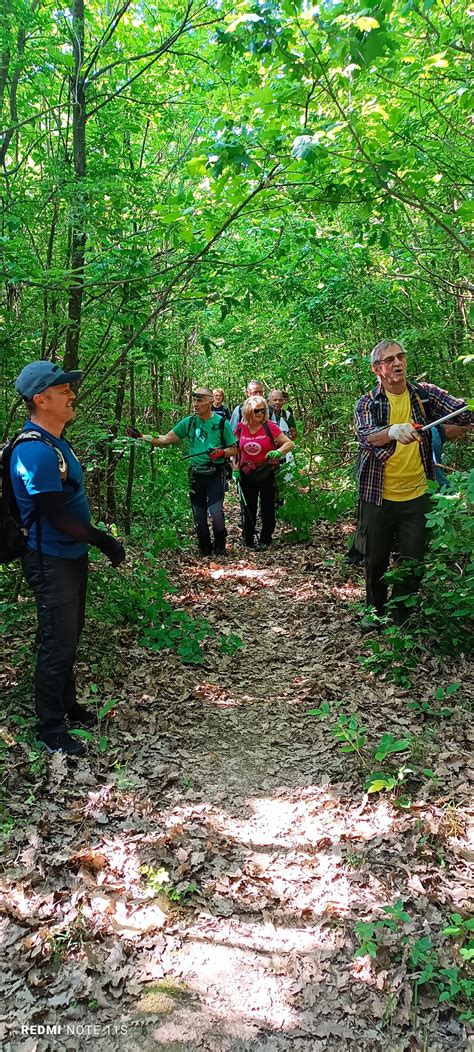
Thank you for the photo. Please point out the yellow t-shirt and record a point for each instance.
(405, 476)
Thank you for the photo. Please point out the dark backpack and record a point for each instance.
(14, 533)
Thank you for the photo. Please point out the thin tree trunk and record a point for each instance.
(131, 463)
(78, 234)
(112, 457)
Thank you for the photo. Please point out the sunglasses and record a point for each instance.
(262, 410)
(199, 397)
(392, 358)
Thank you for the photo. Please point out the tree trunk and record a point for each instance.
(78, 234)
(112, 457)
(131, 463)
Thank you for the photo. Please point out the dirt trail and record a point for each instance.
(217, 776)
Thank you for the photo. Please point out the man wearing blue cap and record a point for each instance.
(47, 482)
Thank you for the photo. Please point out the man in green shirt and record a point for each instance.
(211, 443)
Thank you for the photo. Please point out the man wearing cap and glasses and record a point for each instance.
(211, 443)
(47, 481)
(395, 463)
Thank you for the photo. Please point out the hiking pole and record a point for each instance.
(244, 502)
(426, 427)
(442, 419)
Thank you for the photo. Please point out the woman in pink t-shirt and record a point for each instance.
(261, 446)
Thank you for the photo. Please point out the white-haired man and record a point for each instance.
(254, 387)
(395, 464)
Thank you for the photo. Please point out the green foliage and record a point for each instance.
(449, 980)
(445, 607)
(169, 629)
(305, 503)
(368, 933)
(159, 881)
(102, 711)
(451, 983)
(426, 708)
(389, 745)
(142, 598)
(352, 737)
(448, 591)
(396, 655)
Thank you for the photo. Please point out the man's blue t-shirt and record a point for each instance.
(35, 468)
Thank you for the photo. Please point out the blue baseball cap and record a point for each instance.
(37, 376)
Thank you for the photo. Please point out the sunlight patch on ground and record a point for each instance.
(264, 936)
(235, 982)
(216, 695)
(348, 592)
(321, 815)
(247, 573)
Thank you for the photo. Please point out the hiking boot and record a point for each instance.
(219, 542)
(62, 742)
(82, 716)
(263, 545)
(204, 552)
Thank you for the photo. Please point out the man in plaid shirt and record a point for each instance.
(395, 462)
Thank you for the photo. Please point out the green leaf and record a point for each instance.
(377, 784)
(365, 23)
(107, 707)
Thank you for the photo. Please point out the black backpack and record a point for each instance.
(14, 533)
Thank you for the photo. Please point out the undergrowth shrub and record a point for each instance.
(142, 599)
(443, 612)
(305, 502)
(448, 589)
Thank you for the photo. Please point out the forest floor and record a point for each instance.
(197, 886)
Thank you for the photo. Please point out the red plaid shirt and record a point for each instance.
(372, 412)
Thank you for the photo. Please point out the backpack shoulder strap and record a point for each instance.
(422, 397)
(191, 426)
(30, 436)
(221, 430)
(268, 432)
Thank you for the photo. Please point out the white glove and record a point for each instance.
(404, 433)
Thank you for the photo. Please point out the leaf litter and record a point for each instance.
(197, 886)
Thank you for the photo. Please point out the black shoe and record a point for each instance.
(62, 743)
(263, 546)
(205, 552)
(82, 716)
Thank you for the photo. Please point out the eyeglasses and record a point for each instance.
(261, 410)
(392, 358)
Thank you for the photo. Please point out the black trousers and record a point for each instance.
(59, 587)
(206, 494)
(251, 491)
(395, 525)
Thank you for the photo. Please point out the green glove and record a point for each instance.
(236, 475)
(274, 454)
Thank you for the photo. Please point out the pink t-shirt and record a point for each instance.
(253, 449)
